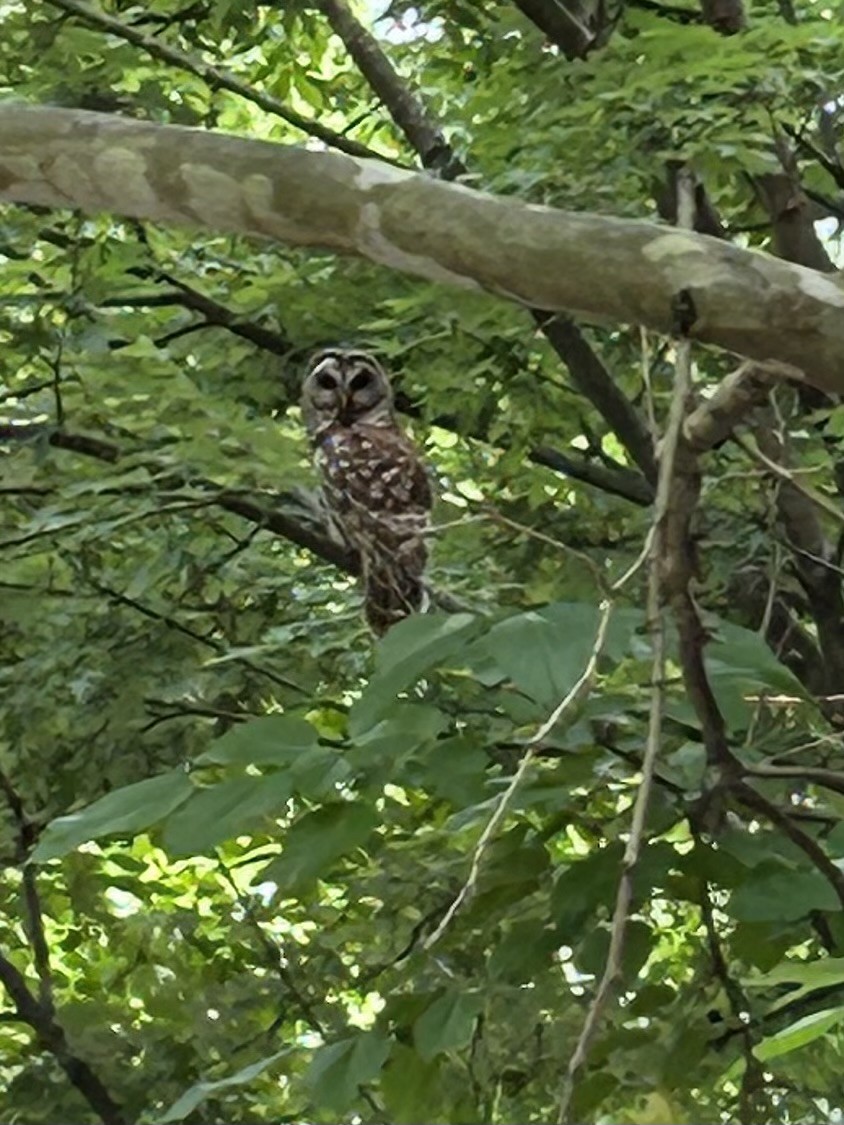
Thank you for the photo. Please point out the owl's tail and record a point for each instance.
(392, 592)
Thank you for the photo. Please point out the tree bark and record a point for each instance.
(601, 268)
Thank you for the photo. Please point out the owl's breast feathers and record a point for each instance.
(376, 471)
(379, 489)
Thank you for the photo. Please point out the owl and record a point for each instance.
(375, 484)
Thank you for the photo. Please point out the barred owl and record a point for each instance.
(375, 483)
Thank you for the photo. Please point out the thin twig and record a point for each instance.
(656, 620)
(752, 1078)
(578, 692)
(818, 499)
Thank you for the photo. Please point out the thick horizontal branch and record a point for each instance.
(622, 481)
(610, 269)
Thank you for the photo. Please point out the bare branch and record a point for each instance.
(741, 392)
(561, 24)
(52, 1038)
(828, 779)
(423, 134)
(659, 591)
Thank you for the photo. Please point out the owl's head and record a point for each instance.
(343, 387)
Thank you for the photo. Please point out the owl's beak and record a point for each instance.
(345, 400)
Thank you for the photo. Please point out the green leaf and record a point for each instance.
(197, 1093)
(219, 812)
(410, 1086)
(410, 648)
(544, 652)
(799, 1034)
(448, 1023)
(126, 811)
(740, 664)
(272, 740)
(782, 896)
(523, 952)
(316, 841)
(809, 975)
(338, 1070)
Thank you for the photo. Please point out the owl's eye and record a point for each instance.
(361, 380)
(326, 380)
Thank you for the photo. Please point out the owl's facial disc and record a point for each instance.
(346, 387)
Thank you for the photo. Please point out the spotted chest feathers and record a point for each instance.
(376, 483)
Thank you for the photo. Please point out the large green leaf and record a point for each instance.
(317, 840)
(416, 645)
(410, 1087)
(782, 896)
(125, 811)
(219, 812)
(809, 975)
(273, 740)
(544, 652)
(741, 668)
(338, 1070)
(448, 1023)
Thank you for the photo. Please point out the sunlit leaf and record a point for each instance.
(125, 811)
(317, 840)
(218, 812)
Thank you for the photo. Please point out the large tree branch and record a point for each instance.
(216, 77)
(616, 270)
(563, 26)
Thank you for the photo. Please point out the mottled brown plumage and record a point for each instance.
(375, 484)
